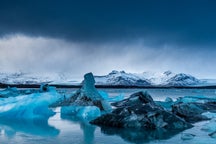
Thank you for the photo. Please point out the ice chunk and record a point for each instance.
(111, 99)
(33, 106)
(187, 136)
(104, 95)
(9, 92)
(83, 112)
(167, 104)
(209, 115)
(88, 96)
(213, 134)
(198, 98)
(89, 89)
(210, 127)
(169, 100)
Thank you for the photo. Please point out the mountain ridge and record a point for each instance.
(114, 78)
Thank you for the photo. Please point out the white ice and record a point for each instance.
(82, 112)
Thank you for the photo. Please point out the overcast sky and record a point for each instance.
(65, 36)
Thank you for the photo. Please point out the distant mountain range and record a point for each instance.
(148, 79)
(114, 78)
(32, 78)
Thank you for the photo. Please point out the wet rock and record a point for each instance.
(140, 111)
(192, 111)
(142, 97)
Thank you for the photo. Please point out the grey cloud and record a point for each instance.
(41, 54)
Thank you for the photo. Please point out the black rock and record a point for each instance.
(192, 112)
(142, 97)
(140, 111)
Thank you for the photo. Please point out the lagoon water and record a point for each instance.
(69, 130)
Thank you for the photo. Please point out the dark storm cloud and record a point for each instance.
(186, 22)
(102, 35)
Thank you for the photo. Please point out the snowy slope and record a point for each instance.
(166, 78)
(121, 78)
(182, 79)
(147, 78)
(33, 78)
(157, 78)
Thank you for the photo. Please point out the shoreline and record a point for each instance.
(108, 86)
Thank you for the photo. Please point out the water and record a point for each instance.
(69, 130)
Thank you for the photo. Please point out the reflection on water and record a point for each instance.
(61, 129)
(33, 127)
(88, 129)
(70, 130)
(139, 136)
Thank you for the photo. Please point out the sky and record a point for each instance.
(67, 36)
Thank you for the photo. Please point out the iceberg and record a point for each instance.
(189, 99)
(167, 104)
(210, 127)
(111, 99)
(14, 92)
(82, 112)
(9, 92)
(31, 106)
(86, 99)
(209, 115)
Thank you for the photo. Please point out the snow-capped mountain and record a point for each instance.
(182, 79)
(33, 78)
(114, 78)
(147, 79)
(121, 78)
(157, 78)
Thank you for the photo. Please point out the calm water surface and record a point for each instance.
(68, 130)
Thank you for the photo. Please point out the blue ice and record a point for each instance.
(32, 106)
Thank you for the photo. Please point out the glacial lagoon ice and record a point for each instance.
(87, 102)
(82, 112)
(25, 107)
(30, 106)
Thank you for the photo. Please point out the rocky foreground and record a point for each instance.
(140, 111)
